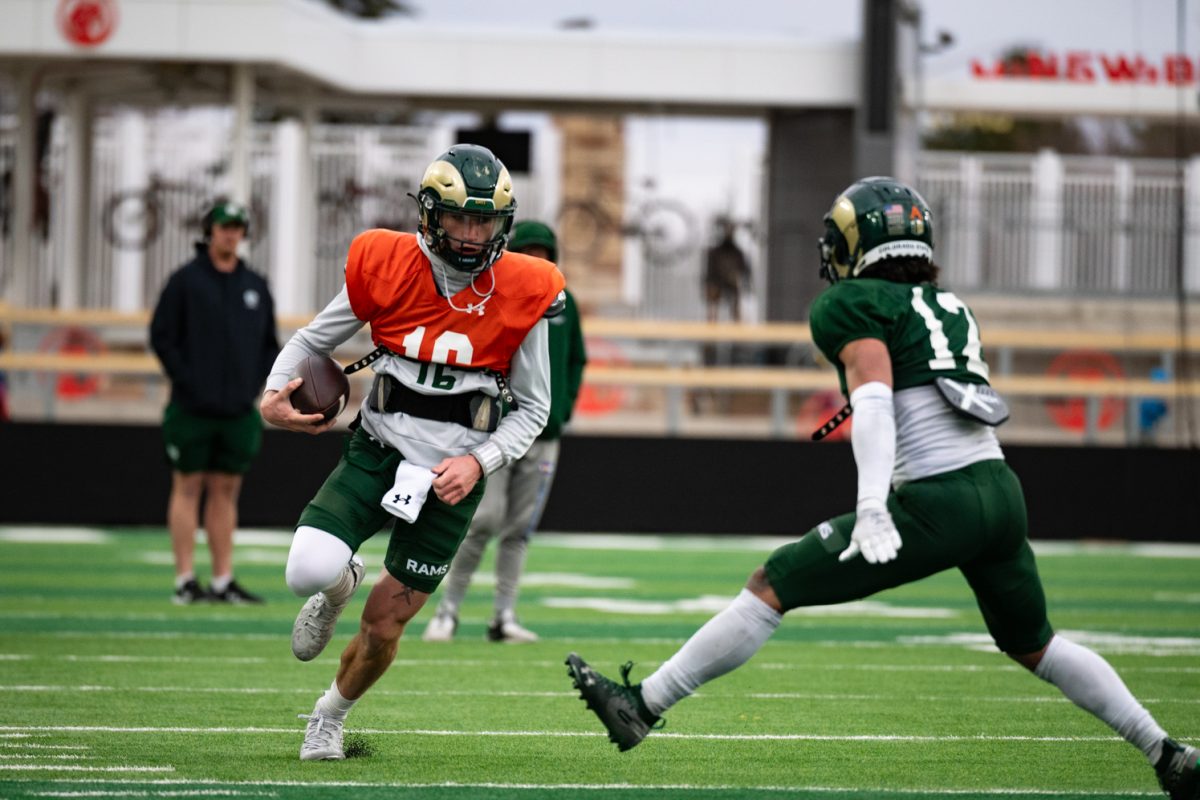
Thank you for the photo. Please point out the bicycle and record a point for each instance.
(353, 207)
(133, 219)
(666, 228)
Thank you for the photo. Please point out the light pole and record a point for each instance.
(913, 50)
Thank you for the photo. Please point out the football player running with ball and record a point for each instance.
(461, 389)
(934, 491)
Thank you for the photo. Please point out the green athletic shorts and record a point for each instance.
(347, 506)
(211, 444)
(971, 518)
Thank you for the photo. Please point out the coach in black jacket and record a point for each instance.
(214, 332)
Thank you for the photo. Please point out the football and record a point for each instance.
(326, 389)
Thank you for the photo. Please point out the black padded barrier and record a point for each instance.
(117, 475)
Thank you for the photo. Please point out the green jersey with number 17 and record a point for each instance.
(929, 332)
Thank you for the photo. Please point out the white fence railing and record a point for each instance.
(1006, 223)
(1065, 224)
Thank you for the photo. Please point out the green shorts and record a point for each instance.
(211, 444)
(971, 518)
(347, 506)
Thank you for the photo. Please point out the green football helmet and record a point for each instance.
(470, 185)
(528, 233)
(874, 219)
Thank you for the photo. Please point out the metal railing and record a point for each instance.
(1008, 223)
(650, 377)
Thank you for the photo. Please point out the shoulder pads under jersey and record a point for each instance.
(557, 307)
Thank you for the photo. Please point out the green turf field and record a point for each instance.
(111, 691)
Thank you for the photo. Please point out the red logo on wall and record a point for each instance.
(1082, 66)
(87, 22)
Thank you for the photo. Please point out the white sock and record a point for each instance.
(333, 705)
(1090, 683)
(180, 580)
(338, 593)
(726, 641)
(220, 584)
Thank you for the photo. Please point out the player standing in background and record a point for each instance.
(213, 329)
(458, 325)
(934, 491)
(515, 497)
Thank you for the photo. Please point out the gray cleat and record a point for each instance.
(619, 707)
(315, 623)
(322, 738)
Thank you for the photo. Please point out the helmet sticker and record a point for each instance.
(916, 221)
(894, 215)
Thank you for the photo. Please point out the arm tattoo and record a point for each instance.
(407, 593)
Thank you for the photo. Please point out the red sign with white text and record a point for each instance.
(1082, 66)
(87, 23)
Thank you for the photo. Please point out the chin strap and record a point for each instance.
(472, 308)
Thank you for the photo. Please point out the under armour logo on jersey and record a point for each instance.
(475, 308)
(405, 498)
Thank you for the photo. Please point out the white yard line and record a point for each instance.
(836, 697)
(626, 542)
(158, 793)
(606, 787)
(999, 665)
(126, 659)
(32, 746)
(34, 688)
(54, 535)
(74, 768)
(756, 737)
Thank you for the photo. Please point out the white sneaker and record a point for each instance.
(322, 738)
(315, 623)
(441, 628)
(505, 628)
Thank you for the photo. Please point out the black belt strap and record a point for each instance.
(501, 382)
(474, 410)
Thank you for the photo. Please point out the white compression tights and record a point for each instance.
(1090, 683)
(726, 641)
(316, 561)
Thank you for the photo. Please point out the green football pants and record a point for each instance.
(971, 518)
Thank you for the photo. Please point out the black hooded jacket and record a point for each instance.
(214, 333)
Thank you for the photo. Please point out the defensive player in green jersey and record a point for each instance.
(934, 491)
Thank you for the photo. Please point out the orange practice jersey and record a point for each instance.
(391, 286)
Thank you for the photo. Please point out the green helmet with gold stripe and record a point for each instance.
(469, 183)
(874, 219)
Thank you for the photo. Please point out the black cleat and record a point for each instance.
(190, 592)
(1178, 771)
(236, 595)
(619, 707)
(505, 628)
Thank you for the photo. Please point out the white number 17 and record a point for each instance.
(943, 356)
